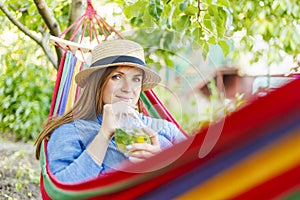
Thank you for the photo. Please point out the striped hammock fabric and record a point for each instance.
(256, 154)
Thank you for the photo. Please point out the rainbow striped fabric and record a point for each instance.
(254, 153)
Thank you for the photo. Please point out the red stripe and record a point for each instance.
(262, 113)
(241, 124)
(105, 181)
(44, 194)
(57, 83)
(277, 187)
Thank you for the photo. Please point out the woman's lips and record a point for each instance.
(124, 98)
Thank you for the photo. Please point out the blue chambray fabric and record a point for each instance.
(69, 160)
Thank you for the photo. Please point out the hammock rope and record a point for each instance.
(89, 23)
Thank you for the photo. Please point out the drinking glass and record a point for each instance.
(130, 131)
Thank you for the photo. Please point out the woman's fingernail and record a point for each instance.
(126, 154)
(130, 158)
(128, 147)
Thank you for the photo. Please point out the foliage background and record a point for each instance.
(26, 88)
(28, 63)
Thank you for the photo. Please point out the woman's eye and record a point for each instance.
(116, 77)
(137, 79)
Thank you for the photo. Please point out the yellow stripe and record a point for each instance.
(72, 92)
(255, 169)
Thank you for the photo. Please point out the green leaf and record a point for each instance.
(223, 3)
(212, 40)
(213, 10)
(198, 34)
(224, 46)
(183, 22)
(207, 1)
(155, 9)
(208, 22)
(147, 20)
(220, 31)
(191, 10)
(169, 62)
(133, 10)
(182, 6)
(31, 9)
(171, 9)
(205, 50)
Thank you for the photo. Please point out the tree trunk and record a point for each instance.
(76, 10)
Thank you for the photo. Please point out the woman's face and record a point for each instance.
(124, 85)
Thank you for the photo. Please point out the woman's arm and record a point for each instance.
(68, 158)
(98, 147)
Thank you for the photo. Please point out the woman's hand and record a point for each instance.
(140, 151)
(111, 114)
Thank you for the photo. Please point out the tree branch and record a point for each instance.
(199, 17)
(41, 42)
(51, 23)
(18, 24)
(48, 17)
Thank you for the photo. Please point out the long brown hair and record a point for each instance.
(88, 106)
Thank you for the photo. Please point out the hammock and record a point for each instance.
(257, 154)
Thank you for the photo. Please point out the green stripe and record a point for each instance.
(57, 193)
(293, 196)
(63, 80)
(148, 105)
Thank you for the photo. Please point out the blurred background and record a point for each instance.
(236, 50)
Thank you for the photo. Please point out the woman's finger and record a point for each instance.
(152, 134)
(108, 123)
(139, 146)
(140, 154)
(135, 160)
(143, 147)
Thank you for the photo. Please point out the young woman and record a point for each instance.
(81, 143)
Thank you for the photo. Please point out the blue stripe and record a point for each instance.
(66, 88)
(221, 162)
(117, 59)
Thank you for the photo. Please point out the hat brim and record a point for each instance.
(151, 78)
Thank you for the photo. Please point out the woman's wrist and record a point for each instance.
(104, 133)
(98, 147)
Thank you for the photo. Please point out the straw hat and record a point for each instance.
(117, 53)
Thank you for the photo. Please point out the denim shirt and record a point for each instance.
(69, 160)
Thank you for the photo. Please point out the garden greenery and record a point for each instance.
(25, 90)
(26, 84)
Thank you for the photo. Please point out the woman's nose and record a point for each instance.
(126, 86)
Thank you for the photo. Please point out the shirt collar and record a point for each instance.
(99, 118)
